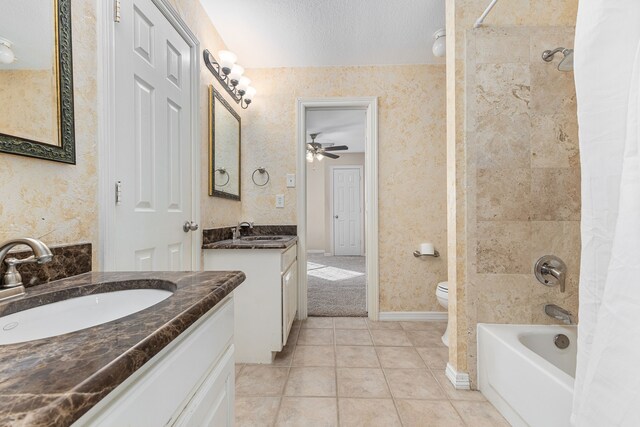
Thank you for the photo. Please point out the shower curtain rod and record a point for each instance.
(480, 20)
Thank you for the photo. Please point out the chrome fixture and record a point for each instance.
(550, 271)
(439, 47)
(480, 20)
(566, 63)
(6, 53)
(223, 171)
(245, 224)
(236, 233)
(230, 76)
(12, 281)
(261, 171)
(417, 254)
(558, 313)
(189, 226)
(561, 341)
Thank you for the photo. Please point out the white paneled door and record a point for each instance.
(152, 142)
(347, 212)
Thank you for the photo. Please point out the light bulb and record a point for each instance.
(243, 84)
(227, 60)
(6, 54)
(250, 93)
(309, 156)
(319, 156)
(235, 74)
(439, 45)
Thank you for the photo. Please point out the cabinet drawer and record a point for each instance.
(288, 257)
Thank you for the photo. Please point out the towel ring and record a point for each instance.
(262, 172)
(223, 171)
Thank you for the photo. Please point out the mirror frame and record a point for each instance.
(213, 95)
(66, 151)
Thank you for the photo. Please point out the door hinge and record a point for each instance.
(116, 11)
(118, 192)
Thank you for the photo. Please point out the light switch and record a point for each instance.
(279, 200)
(291, 180)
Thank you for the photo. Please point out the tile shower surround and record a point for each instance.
(354, 372)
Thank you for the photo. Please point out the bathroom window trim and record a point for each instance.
(370, 105)
(106, 129)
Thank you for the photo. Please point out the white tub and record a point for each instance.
(524, 375)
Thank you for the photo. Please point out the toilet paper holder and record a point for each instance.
(435, 254)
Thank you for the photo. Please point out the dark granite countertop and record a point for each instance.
(275, 242)
(53, 381)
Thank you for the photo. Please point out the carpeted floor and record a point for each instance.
(337, 286)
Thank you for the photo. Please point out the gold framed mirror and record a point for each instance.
(224, 148)
(36, 79)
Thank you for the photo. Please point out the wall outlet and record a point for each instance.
(279, 200)
(291, 180)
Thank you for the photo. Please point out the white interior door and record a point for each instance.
(347, 212)
(153, 141)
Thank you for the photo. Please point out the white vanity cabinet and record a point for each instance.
(266, 303)
(189, 383)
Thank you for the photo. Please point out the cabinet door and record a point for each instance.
(289, 300)
(212, 404)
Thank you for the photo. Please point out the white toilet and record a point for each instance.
(442, 293)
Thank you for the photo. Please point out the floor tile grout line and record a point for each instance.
(386, 380)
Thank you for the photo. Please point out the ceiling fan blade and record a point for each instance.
(336, 148)
(330, 155)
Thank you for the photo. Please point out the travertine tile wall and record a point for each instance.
(461, 193)
(412, 192)
(523, 176)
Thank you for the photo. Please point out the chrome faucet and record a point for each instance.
(237, 232)
(550, 271)
(11, 283)
(558, 313)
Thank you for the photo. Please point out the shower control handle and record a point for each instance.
(550, 271)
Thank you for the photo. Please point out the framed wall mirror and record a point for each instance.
(224, 148)
(36, 80)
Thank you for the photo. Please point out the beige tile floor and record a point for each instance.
(353, 372)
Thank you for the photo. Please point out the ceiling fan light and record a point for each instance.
(319, 156)
(309, 156)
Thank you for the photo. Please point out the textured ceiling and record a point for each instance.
(28, 24)
(315, 33)
(338, 127)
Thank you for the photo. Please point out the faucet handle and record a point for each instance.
(12, 277)
(550, 271)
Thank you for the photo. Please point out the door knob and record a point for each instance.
(189, 226)
(336, 217)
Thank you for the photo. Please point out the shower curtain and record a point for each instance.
(607, 75)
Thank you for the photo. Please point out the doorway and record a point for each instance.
(151, 146)
(337, 207)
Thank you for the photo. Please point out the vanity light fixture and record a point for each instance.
(439, 43)
(231, 76)
(6, 53)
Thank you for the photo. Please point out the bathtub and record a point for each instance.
(524, 375)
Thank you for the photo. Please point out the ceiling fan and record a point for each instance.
(316, 150)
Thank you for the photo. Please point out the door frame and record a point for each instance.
(106, 128)
(370, 105)
(331, 193)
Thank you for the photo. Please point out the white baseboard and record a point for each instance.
(406, 316)
(315, 251)
(460, 380)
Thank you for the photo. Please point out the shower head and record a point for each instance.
(566, 64)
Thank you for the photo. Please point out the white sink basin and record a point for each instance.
(75, 314)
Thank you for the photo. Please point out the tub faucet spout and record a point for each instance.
(558, 313)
